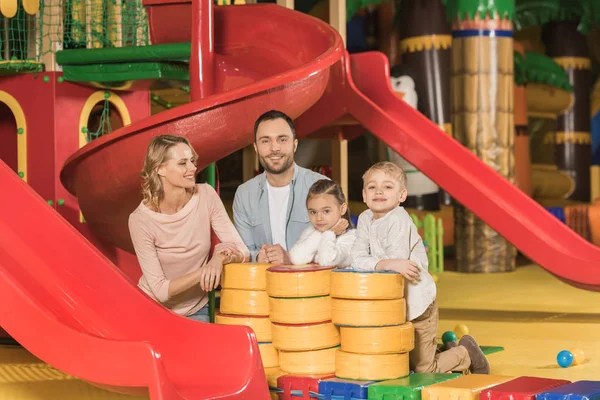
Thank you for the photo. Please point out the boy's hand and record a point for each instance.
(407, 268)
(340, 227)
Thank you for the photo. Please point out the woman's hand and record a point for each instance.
(210, 274)
(340, 227)
(230, 251)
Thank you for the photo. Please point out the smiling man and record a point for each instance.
(269, 210)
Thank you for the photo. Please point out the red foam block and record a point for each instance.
(302, 386)
(522, 388)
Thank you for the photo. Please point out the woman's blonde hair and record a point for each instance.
(157, 154)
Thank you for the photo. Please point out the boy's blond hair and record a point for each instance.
(390, 168)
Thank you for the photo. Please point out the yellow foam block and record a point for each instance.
(378, 340)
(260, 325)
(300, 311)
(269, 355)
(308, 362)
(351, 284)
(244, 302)
(305, 337)
(368, 312)
(376, 367)
(467, 387)
(245, 276)
(272, 374)
(298, 281)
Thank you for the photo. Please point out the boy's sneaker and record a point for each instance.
(479, 364)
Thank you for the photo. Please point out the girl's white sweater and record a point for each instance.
(324, 248)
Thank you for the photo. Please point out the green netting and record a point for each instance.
(28, 38)
(99, 120)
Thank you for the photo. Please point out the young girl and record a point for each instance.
(328, 241)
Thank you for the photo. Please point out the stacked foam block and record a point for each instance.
(244, 301)
(370, 310)
(300, 313)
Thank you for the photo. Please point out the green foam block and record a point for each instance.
(407, 388)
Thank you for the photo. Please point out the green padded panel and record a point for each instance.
(159, 52)
(407, 388)
(119, 73)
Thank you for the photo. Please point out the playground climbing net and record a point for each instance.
(32, 32)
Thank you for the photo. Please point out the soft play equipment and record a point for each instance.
(98, 326)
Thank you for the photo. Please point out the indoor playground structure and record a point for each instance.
(491, 106)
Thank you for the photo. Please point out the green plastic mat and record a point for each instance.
(120, 73)
(487, 350)
(154, 53)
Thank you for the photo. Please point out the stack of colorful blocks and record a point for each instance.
(244, 301)
(370, 309)
(301, 325)
(342, 335)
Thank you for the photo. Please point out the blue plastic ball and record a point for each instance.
(565, 358)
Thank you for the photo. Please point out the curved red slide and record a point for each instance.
(258, 67)
(531, 228)
(67, 304)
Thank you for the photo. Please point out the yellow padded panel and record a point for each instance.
(368, 312)
(308, 362)
(305, 281)
(269, 355)
(467, 387)
(378, 340)
(244, 302)
(371, 367)
(260, 325)
(351, 284)
(305, 337)
(245, 276)
(300, 311)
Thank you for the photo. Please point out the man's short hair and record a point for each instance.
(271, 115)
(390, 168)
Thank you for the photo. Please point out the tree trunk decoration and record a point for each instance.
(482, 117)
(425, 51)
(573, 141)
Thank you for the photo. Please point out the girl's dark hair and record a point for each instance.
(327, 186)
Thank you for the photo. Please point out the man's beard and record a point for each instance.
(280, 170)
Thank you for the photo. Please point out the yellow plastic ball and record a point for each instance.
(578, 356)
(461, 330)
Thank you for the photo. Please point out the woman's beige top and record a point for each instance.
(170, 246)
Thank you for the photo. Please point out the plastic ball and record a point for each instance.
(564, 358)
(449, 336)
(461, 330)
(578, 356)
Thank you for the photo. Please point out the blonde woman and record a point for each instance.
(170, 230)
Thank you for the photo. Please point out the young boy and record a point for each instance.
(387, 239)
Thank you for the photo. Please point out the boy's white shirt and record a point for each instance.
(388, 238)
(324, 248)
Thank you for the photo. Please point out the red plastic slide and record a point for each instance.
(67, 304)
(521, 220)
